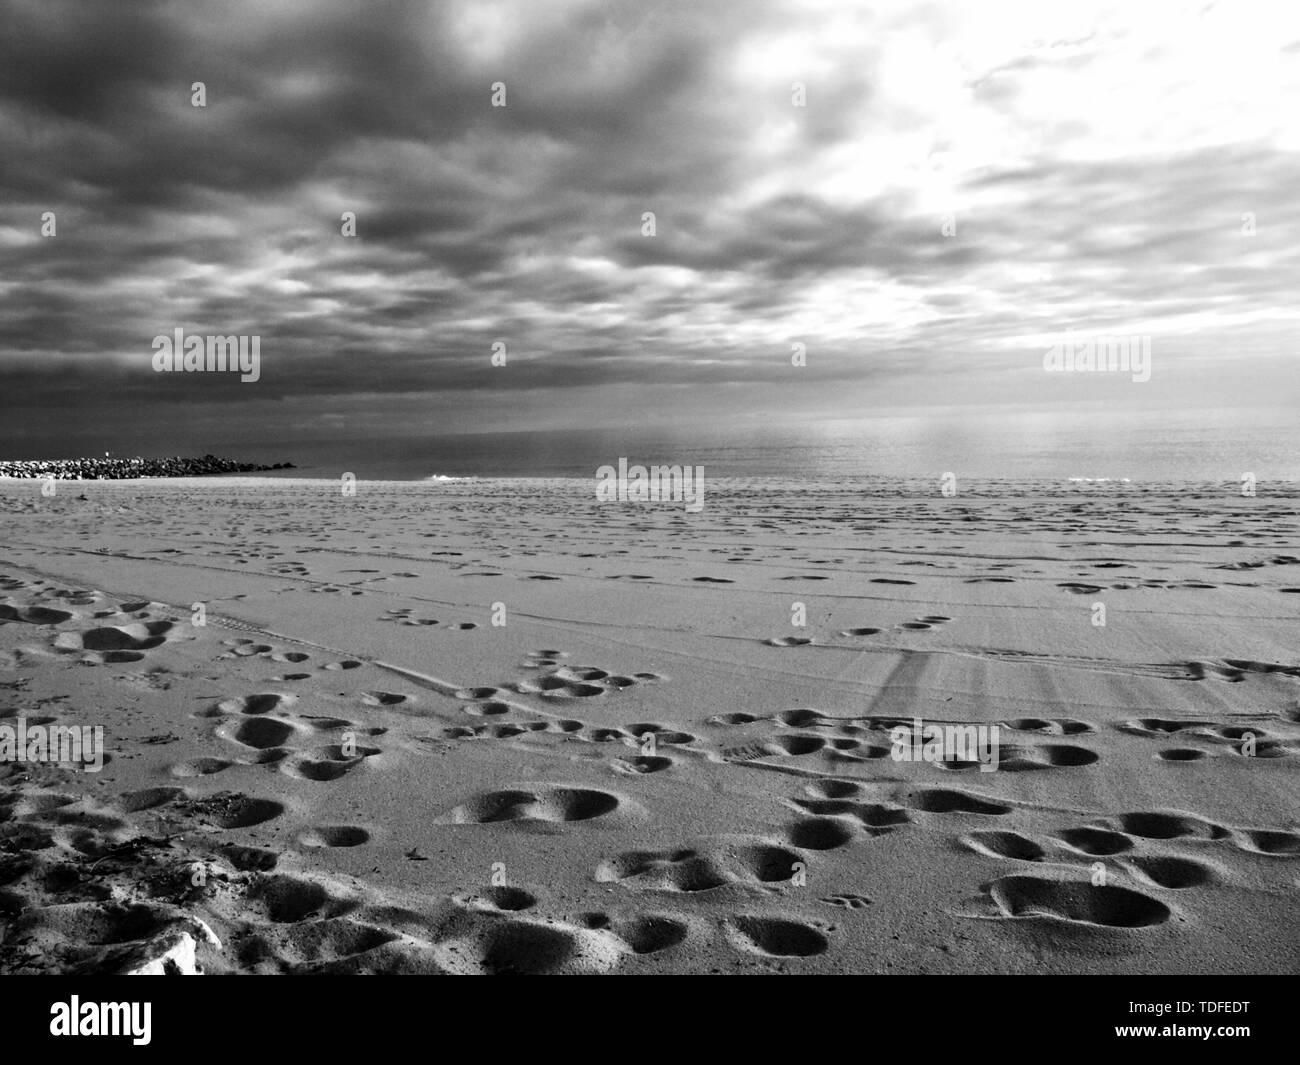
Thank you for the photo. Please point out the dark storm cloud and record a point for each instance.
(774, 223)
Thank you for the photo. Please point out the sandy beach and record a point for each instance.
(500, 727)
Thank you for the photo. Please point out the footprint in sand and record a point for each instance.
(199, 767)
(1023, 759)
(643, 933)
(566, 683)
(331, 836)
(1271, 841)
(1098, 842)
(650, 734)
(821, 833)
(482, 692)
(1180, 755)
(252, 705)
(542, 659)
(1166, 871)
(877, 819)
(256, 722)
(800, 717)
(499, 898)
(247, 648)
(114, 644)
(33, 615)
(284, 899)
(379, 698)
(541, 802)
(776, 937)
(928, 622)
(1168, 825)
(795, 745)
(1079, 902)
(1004, 845)
(847, 902)
(642, 764)
(326, 763)
(488, 708)
(830, 788)
(1064, 726)
(712, 863)
(952, 801)
(132, 802)
(492, 943)
(735, 718)
(259, 733)
(403, 617)
(232, 810)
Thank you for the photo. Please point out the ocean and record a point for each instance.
(1165, 446)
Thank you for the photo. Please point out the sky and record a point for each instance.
(922, 197)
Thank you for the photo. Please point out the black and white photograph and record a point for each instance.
(650, 487)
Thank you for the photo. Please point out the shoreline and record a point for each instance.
(874, 486)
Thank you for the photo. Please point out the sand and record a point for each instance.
(348, 767)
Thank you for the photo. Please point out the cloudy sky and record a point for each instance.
(1099, 163)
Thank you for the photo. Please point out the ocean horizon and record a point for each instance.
(1179, 446)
